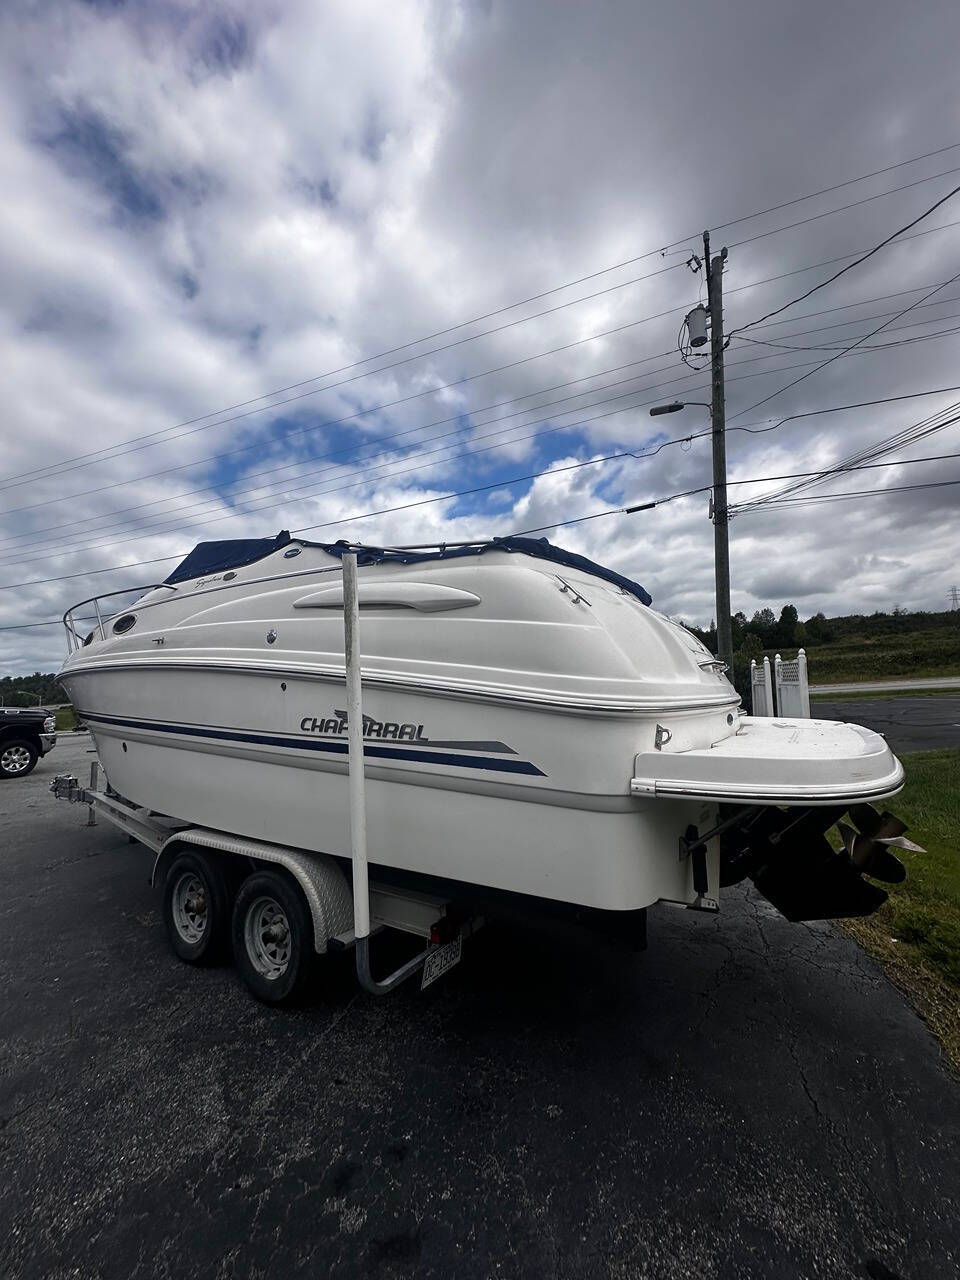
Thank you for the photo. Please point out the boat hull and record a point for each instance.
(533, 800)
(527, 730)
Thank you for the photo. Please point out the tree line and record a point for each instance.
(41, 688)
(765, 632)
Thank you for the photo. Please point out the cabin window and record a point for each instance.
(124, 623)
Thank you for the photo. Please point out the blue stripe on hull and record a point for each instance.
(370, 751)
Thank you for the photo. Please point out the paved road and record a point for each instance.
(888, 686)
(748, 1099)
(908, 724)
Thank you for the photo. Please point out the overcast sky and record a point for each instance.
(206, 202)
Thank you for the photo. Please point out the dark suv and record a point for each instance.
(26, 734)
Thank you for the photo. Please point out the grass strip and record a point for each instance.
(916, 934)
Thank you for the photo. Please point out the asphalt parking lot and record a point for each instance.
(908, 724)
(746, 1099)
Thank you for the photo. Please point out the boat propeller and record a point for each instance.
(790, 860)
(869, 846)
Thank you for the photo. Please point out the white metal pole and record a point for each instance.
(358, 809)
(94, 784)
(804, 683)
(778, 683)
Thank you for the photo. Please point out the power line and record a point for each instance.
(174, 520)
(849, 306)
(54, 622)
(456, 417)
(176, 513)
(339, 488)
(815, 217)
(723, 226)
(645, 506)
(936, 422)
(386, 368)
(670, 382)
(52, 469)
(846, 351)
(480, 489)
(33, 533)
(877, 346)
(446, 386)
(620, 511)
(50, 473)
(855, 493)
(452, 436)
(462, 493)
(257, 445)
(382, 440)
(756, 429)
(837, 274)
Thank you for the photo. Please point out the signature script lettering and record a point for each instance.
(336, 725)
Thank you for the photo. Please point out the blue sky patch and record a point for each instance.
(87, 144)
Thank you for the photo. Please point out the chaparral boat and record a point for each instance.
(530, 724)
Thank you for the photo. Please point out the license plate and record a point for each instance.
(440, 960)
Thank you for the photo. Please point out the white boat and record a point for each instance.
(531, 724)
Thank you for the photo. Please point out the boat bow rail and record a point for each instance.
(74, 639)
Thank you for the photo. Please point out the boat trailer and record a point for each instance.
(783, 850)
(342, 916)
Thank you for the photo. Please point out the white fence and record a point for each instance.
(790, 681)
(761, 688)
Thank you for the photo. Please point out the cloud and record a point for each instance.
(203, 204)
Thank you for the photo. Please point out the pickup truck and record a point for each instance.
(26, 734)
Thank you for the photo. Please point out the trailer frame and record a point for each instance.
(320, 878)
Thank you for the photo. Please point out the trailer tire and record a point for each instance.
(196, 908)
(273, 944)
(18, 757)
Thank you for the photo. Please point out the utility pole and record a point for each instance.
(721, 539)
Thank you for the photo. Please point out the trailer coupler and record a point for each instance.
(66, 787)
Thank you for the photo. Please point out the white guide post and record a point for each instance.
(358, 807)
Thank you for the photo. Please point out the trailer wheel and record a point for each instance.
(17, 758)
(272, 937)
(196, 908)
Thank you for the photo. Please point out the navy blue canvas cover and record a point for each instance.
(212, 557)
(538, 547)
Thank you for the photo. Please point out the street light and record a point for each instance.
(675, 406)
(720, 517)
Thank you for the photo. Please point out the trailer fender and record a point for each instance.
(319, 876)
